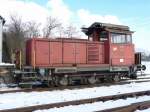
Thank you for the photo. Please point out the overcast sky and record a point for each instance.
(134, 13)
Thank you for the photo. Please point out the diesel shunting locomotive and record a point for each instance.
(107, 55)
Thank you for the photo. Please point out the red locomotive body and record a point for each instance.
(108, 53)
(109, 49)
(122, 55)
(64, 53)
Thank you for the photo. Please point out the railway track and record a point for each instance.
(129, 108)
(83, 101)
(72, 87)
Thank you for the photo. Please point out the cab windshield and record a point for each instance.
(121, 38)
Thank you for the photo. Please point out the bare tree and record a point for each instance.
(51, 24)
(15, 35)
(16, 32)
(32, 29)
(71, 31)
(61, 31)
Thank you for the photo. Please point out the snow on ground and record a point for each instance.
(137, 80)
(146, 110)
(147, 64)
(6, 64)
(144, 76)
(97, 105)
(3, 87)
(8, 89)
(22, 99)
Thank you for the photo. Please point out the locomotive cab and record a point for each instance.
(118, 47)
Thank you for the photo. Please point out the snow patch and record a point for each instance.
(6, 64)
(97, 106)
(3, 87)
(24, 99)
(147, 64)
(146, 110)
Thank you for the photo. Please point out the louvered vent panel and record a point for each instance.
(93, 53)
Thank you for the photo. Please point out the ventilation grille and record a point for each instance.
(93, 53)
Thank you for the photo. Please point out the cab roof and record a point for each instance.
(107, 27)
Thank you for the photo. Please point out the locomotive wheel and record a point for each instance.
(108, 79)
(64, 81)
(92, 80)
(133, 76)
(116, 78)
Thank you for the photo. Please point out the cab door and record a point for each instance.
(122, 50)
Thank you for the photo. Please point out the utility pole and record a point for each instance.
(2, 21)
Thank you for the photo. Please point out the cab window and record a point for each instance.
(121, 38)
(129, 38)
(103, 36)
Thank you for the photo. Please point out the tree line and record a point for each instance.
(17, 32)
(145, 57)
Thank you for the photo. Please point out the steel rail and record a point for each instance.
(129, 108)
(78, 102)
(72, 87)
